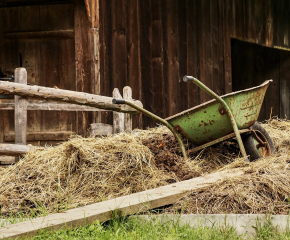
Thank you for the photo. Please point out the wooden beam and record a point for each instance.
(8, 104)
(15, 149)
(130, 204)
(41, 136)
(20, 110)
(68, 96)
(59, 34)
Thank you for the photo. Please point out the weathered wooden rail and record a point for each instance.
(32, 97)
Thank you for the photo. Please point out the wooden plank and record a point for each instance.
(20, 111)
(284, 84)
(130, 204)
(118, 118)
(182, 56)
(2, 62)
(79, 98)
(92, 8)
(227, 45)
(41, 136)
(57, 63)
(269, 24)
(105, 53)
(11, 57)
(192, 53)
(206, 64)
(217, 48)
(134, 55)
(173, 64)
(28, 21)
(8, 104)
(16, 149)
(145, 58)
(83, 65)
(127, 94)
(59, 34)
(157, 82)
(272, 71)
(119, 48)
(259, 24)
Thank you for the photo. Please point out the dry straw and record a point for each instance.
(78, 172)
(87, 170)
(264, 188)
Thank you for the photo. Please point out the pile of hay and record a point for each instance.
(85, 170)
(88, 170)
(264, 188)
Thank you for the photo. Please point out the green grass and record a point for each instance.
(133, 228)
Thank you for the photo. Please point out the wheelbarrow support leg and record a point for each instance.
(227, 109)
(164, 122)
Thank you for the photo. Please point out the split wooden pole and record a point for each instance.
(80, 98)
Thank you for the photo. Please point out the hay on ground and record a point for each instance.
(88, 170)
(263, 189)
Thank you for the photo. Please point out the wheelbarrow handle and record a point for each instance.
(155, 117)
(118, 101)
(226, 108)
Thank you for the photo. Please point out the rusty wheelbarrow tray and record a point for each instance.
(222, 118)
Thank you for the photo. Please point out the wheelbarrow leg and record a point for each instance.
(164, 122)
(227, 109)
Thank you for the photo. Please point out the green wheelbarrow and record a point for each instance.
(233, 115)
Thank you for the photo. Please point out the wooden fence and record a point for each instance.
(60, 100)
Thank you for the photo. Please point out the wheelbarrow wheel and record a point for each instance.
(253, 146)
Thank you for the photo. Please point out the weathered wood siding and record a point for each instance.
(49, 62)
(151, 44)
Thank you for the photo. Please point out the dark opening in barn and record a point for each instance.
(252, 64)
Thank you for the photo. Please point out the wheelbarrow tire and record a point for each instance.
(250, 143)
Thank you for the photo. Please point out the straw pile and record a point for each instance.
(88, 170)
(265, 187)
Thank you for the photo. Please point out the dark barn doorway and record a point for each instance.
(252, 64)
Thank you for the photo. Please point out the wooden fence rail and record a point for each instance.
(32, 97)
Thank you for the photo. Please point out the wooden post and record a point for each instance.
(118, 118)
(20, 112)
(127, 94)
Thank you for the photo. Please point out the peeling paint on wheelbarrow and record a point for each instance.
(209, 121)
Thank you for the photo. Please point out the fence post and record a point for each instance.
(127, 94)
(20, 112)
(118, 118)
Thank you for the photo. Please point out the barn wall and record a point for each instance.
(49, 62)
(150, 44)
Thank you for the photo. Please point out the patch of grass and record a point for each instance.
(133, 228)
